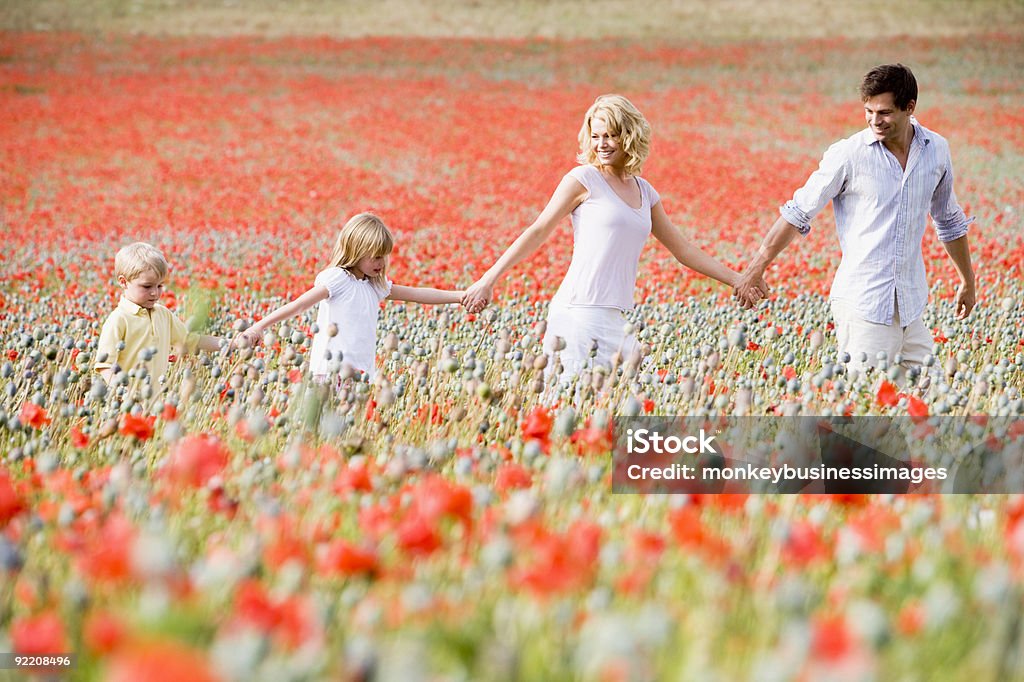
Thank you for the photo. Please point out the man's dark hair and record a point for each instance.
(894, 78)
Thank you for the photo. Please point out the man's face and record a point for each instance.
(887, 122)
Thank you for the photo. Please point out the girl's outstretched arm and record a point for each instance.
(424, 295)
(288, 310)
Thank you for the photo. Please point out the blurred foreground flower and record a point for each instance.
(11, 503)
(33, 415)
(137, 427)
(195, 460)
(40, 634)
(159, 661)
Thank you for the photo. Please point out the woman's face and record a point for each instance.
(605, 145)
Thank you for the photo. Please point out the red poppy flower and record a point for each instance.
(559, 563)
(159, 661)
(78, 439)
(286, 546)
(537, 426)
(344, 558)
(911, 619)
(804, 545)
(11, 503)
(691, 533)
(831, 639)
(105, 554)
(887, 395)
(33, 415)
(40, 634)
(137, 427)
(512, 476)
(290, 620)
(436, 497)
(352, 478)
(221, 503)
(591, 440)
(254, 607)
(195, 460)
(418, 536)
(103, 633)
(916, 407)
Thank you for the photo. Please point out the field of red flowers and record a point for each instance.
(455, 520)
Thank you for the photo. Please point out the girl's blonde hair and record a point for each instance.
(625, 122)
(364, 236)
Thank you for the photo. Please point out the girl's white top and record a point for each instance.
(353, 306)
(607, 238)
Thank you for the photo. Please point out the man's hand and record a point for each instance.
(966, 298)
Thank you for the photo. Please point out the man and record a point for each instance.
(883, 182)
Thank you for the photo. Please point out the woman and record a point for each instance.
(613, 211)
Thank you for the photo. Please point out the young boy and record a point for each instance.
(139, 322)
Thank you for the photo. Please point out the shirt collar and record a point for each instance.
(129, 307)
(921, 135)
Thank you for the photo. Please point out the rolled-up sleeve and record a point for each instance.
(950, 220)
(823, 186)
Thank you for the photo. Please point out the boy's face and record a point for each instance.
(145, 290)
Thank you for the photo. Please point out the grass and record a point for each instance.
(672, 20)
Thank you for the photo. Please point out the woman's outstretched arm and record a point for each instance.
(567, 196)
(691, 255)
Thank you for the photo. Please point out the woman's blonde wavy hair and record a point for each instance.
(364, 235)
(625, 122)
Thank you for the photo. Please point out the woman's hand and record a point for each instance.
(478, 296)
(568, 195)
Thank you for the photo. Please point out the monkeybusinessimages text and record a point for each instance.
(649, 442)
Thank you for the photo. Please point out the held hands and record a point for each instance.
(250, 338)
(477, 296)
(750, 288)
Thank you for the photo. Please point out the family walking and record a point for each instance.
(883, 182)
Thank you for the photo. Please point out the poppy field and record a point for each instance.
(454, 520)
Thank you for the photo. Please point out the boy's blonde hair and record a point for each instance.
(135, 259)
(625, 122)
(364, 235)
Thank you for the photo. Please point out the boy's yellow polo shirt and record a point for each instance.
(140, 329)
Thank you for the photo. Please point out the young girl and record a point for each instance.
(349, 293)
